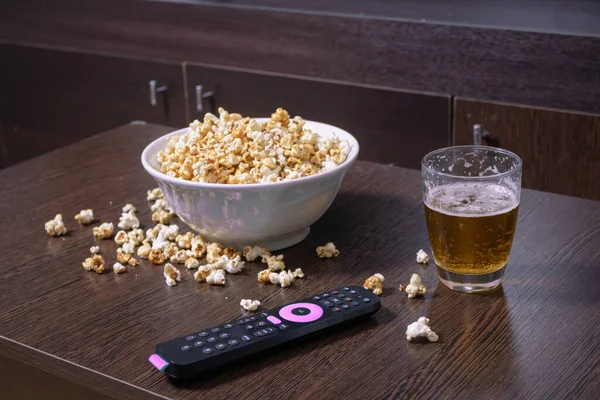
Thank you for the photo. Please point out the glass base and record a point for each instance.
(471, 283)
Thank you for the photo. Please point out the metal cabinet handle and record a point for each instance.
(478, 135)
(200, 96)
(154, 90)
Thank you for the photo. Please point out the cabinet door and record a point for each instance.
(53, 98)
(560, 149)
(392, 127)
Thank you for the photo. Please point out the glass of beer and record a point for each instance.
(471, 196)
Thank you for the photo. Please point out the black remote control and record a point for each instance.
(209, 348)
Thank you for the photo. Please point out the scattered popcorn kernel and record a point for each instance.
(104, 231)
(202, 273)
(129, 247)
(422, 257)
(156, 257)
(123, 257)
(133, 262)
(85, 216)
(154, 194)
(231, 252)
(284, 278)
(298, 273)
(121, 238)
(95, 249)
(420, 329)
(144, 251)
(415, 287)
(192, 263)
(129, 208)
(171, 232)
(216, 277)
(198, 246)
(327, 251)
(250, 305)
(137, 236)
(152, 233)
(234, 265)
(184, 241)
(263, 276)
(56, 226)
(172, 275)
(375, 284)
(213, 252)
(119, 268)
(251, 253)
(161, 204)
(179, 257)
(160, 243)
(94, 263)
(128, 221)
(170, 250)
(275, 263)
(162, 216)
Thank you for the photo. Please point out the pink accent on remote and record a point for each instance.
(273, 320)
(316, 312)
(158, 362)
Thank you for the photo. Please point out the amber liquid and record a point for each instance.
(471, 226)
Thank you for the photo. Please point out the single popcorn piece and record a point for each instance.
(123, 257)
(298, 273)
(161, 204)
(121, 238)
(250, 305)
(94, 263)
(95, 249)
(133, 262)
(422, 257)
(213, 252)
(202, 273)
(251, 253)
(104, 231)
(185, 241)
(144, 251)
(156, 257)
(375, 284)
(421, 329)
(234, 265)
(129, 247)
(284, 278)
(170, 231)
(198, 246)
(275, 263)
(179, 257)
(161, 242)
(231, 252)
(172, 274)
(154, 194)
(216, 277)
(56, 226)
(415, 287)
(163, 216)
(170, 250)
(119, 268)
(263, 276)
(137, 236)
(192, 263)
(129, 208)
(327, 251)
(85, 216)
(128, 220)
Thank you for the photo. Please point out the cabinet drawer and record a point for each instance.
(54, 98)
(392, 127)
(560, 150)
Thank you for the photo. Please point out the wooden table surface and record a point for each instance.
(538, 337)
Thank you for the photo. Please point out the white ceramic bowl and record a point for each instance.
(273, 215)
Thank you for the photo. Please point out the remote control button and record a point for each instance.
(211, 339)
(220, 346)
(260, 332)
(283, 326)
(337, 309)
(353, 291)
(325, 295)
(250, 319)
(341, 295)
(234, 342)
(315, 313)
(347, 289)
(186, 347)
(317, 298)
(264, 314)
(271, 330)
(227, 326)
(203, 333)
(224, 335)
(215, 330)
(345, 306)
(336, 301)
(367, 300)
(246, 338)
(241, 321)
(249, 327)
(335, 292)
(355, 303)
(327, 303)
(190, 338)
(273, 320)
(207, 350)
(199, 343)
(301, 311)
(348, 299)
(261, 323)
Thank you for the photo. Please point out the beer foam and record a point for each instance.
(471, 199)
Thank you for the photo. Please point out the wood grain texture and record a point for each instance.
(552, 70)
(560, 150)
(393, 127)
(54, 98)
(537, 338)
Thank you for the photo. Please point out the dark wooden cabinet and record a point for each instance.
(53, 98)
(392, 127)
(560, 149)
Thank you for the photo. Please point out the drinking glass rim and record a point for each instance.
(518, 166)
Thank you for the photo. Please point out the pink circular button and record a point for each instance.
(315, 313)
